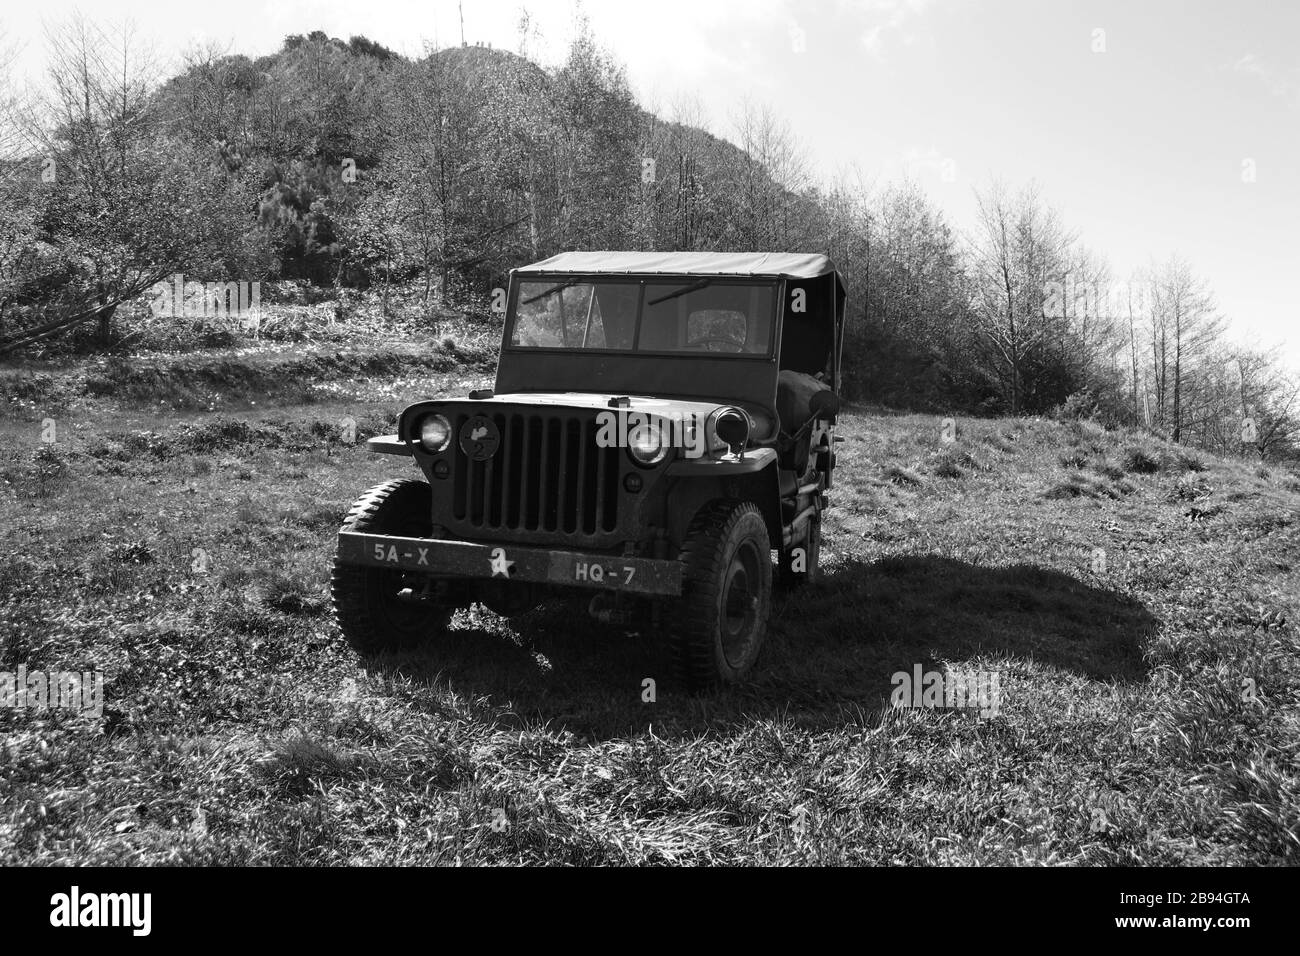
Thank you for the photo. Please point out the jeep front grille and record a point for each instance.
(547, 477)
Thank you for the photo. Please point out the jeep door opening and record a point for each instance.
(660, 424)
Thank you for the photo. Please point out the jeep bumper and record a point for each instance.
(467, 559)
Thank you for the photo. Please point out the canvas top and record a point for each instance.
(789, 265)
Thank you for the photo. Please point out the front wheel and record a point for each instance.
(377, 608)
(721, 617)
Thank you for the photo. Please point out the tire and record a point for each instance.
(721, 618)
(369, 613)
(790, 578)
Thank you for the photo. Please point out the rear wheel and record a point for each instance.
(370, 612)
(721, 617)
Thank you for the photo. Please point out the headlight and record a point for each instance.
(646, 446)
(435, 432)
(731, 428)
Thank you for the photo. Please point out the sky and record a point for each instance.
(1154, 127)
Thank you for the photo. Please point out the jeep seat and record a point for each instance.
(798, 397)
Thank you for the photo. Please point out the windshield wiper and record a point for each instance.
(553, 289)
(694, 286)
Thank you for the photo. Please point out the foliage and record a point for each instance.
(345, 165)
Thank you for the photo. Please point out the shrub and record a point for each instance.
(132, 552)
(1077, 406)
(1066, 489)
(1140, 462)
(902, 476)
(1001, 442)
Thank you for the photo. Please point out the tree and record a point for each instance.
(130, 203)
(19, 177)
(1184, 328)
(771, 174)
(1018, 251)
(911, 346)
(597, 132)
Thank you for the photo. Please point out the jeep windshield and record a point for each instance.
(694, 315)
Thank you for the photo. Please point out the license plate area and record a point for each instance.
(515, 563)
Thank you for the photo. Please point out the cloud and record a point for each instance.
(1279, 80)
(891, 22)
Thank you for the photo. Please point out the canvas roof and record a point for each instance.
(789, 265)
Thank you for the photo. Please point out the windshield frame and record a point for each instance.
(774, 284)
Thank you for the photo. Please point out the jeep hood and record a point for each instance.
(645, 404)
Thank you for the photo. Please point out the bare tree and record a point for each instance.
(1184, 327)
(1018, 250)
(1137, 387)
(773, 173)
(1267, 392)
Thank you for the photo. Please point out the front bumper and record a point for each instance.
(467, 559)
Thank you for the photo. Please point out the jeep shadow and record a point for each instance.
(831, 653)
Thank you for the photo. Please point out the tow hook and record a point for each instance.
(606, 611)
(411, 595)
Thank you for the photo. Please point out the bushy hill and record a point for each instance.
(341, 164)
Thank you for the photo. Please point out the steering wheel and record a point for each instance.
(733, 345)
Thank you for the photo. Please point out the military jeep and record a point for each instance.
(659, 426)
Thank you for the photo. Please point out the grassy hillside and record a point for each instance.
(238, 729)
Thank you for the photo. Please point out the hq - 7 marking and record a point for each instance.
(392, 555)
(596, 573)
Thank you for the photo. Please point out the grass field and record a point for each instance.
(177, 536)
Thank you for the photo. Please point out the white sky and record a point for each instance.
(1141, 147)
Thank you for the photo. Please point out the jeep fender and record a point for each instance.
(697, 482)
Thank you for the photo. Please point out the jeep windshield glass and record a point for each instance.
(708, 315)
(551, 291)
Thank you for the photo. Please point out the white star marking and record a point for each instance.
(500, 566)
